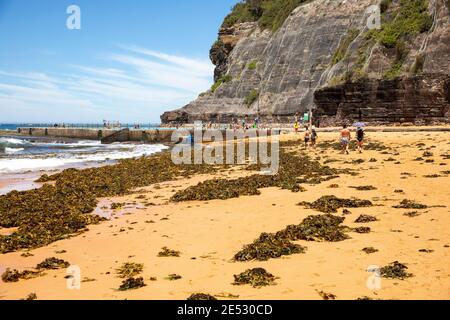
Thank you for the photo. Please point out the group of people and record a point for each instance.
(346, 138)
(311, 137)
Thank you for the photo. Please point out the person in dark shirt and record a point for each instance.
(314, 137)
(360, 135)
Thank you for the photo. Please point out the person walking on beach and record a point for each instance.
(296, 127)
(314, 137)
(360, 135)
(307, 137)
(346, 137)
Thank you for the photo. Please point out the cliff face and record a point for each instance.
(324, 56)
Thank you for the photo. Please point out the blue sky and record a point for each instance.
(131, 60)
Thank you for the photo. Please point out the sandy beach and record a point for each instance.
(208, 234)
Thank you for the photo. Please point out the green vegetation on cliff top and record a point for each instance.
(270, 14)
(410, 18)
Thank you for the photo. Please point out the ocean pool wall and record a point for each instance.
(154, 135)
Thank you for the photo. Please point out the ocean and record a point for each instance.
(14, 126)
(24, 154)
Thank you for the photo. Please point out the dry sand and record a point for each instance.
(212, 232)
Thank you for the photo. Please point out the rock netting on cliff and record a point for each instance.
(325, 56)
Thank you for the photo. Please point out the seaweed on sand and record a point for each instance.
(432, 176)
(293, 170)
(331, 204)
(201, 297)
(366, 219)
(257, 278)
(395, 270)
(370, 250)
(268, 246)
(52, 264)
(319, 228)
(362, 230)
(409, 204)
(165, 252)
(365, 188)
(31, 297)
(313, 228)
(132, 284)
(372, 146)
(130, 269)
(174, 277)
(15, 275)
(117, 206)
(58, 211)
(412, 214)
(326, 296)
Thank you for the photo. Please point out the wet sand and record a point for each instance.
(212, 232)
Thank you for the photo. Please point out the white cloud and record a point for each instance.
(137, 84)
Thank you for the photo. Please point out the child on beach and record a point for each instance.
(307, 137)
(296, 127)
(346, 137)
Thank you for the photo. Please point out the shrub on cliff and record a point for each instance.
(410, 18)
(218, 83)
(344, 45)
(251, 97)
(252, 65)
(270, 14)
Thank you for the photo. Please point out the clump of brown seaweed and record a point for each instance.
(313, 228)
(326, 296)
(132, 284)
(319, 228)
(363, 230)
(395, 270)
(166, 252)
(370, 250)
(268, 246)
(15, 275)
(130, 269)
(257, 278)
(31, 297)
(52, 264)
(412, 214)
(173, 277)
(365, 188)
(331, 204)
(409, 204)
(201, 297)
(364, 218)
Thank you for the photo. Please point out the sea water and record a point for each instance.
(25, 154)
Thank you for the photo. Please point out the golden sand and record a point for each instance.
(212, 232)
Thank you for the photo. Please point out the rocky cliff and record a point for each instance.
(324, 55)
